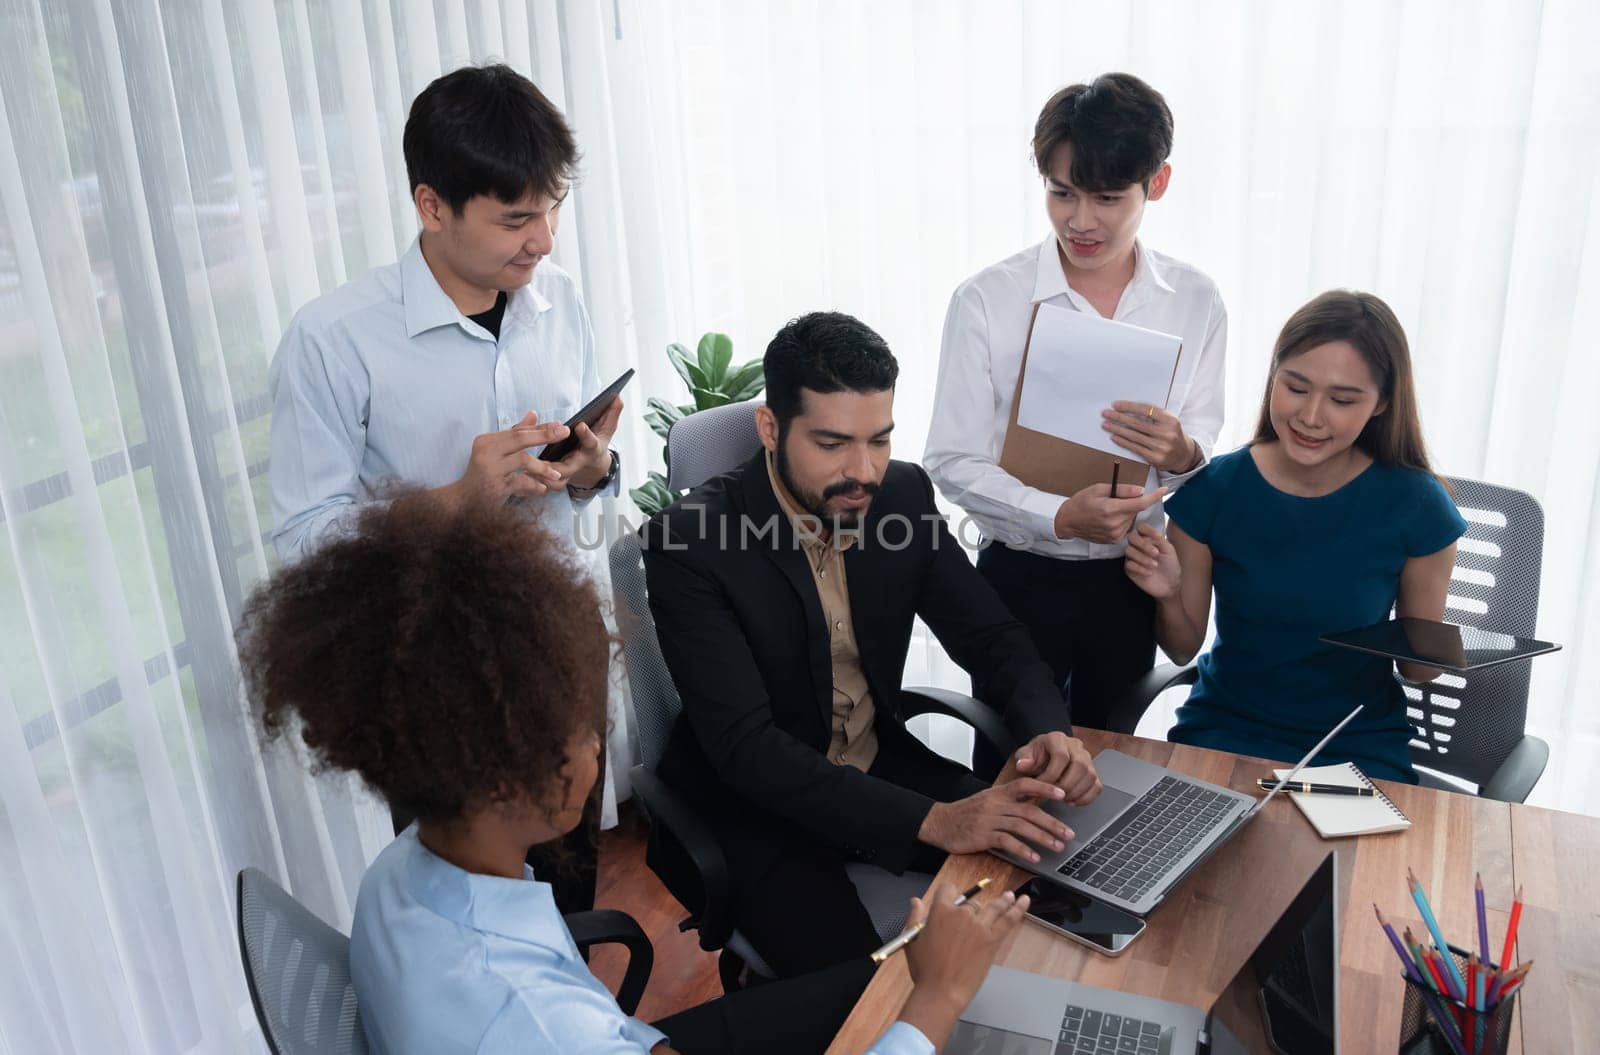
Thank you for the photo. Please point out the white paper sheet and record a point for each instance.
(1079, 364)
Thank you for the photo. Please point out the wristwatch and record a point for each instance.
(601, 484)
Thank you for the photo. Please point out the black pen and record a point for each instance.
(903, 939)
(1308, 787)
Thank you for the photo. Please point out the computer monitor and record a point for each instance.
(1285, 998)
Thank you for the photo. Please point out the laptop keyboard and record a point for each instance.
(1141, 846)
(1084, 1031)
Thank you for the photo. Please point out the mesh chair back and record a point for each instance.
(655, 698)
(705, 444)
(709, 443)
(1466, 724)
(298, 970)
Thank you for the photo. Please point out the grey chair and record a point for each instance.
(298, 968)
(709, 443)
(699, 447)
(1467, 726)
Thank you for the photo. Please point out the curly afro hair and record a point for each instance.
(447, 656)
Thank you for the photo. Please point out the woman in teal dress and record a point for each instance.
(1326, 520)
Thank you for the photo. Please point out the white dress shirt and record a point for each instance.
(980, 358)
(384, 380)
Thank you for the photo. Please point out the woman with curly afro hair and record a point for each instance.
(457, 661)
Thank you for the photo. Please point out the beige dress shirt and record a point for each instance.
(855, 739)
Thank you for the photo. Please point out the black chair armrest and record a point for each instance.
(680, 823)
(603, 926)
(1517, 775)
(1125, 713)
(985, 722)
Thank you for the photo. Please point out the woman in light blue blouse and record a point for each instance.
(457, 661)
(1326, 520)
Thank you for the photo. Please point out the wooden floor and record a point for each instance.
(684, 975)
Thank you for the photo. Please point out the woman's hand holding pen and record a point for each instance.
(949, 960)
(1152, 563)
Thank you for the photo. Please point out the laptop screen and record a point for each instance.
(1285, 997)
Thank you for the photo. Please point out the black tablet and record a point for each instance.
(592, 412)
(1444, 645)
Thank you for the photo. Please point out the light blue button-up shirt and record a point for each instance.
(383, 380)
(444, 960)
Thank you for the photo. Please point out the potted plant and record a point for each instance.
(712, 381)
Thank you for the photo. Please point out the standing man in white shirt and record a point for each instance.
(1056, 560)
(452, 368)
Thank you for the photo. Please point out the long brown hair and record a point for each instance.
(1394, 435)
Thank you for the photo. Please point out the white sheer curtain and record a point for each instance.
(867, 157)
(176, 179)
(178, 176)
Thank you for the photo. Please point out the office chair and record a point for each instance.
(298, 968)
(1468, 726)
(699, 447)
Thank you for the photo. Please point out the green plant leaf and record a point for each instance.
(687, 368)
(647, 500)
(705, 399)
(658, 425)
(744, 383)
(715, 353)
(653, 496)
(667, 410)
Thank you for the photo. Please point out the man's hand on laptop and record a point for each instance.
(997, 818)
(1058, 759)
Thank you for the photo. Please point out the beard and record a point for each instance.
(816, 503)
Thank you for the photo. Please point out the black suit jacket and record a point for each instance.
(743, 633)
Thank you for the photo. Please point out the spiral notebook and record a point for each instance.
(1338, 816)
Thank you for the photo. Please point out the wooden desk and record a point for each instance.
(1200, 936)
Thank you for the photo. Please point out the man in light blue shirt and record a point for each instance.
(449, 368)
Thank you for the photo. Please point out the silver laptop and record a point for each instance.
(1284, 999)
(1147, 829)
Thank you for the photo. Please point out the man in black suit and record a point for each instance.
(784, 594)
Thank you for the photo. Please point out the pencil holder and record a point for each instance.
(1434, 1024)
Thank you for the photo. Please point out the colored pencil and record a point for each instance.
(1469, 1020)
(1420, 896)
(1442, 961)
(1510, 949)
(1483, 921)
(1416, 954)
(1514, 980)
(1399, 950)
(1497, 978)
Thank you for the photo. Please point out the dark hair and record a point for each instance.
(825, 351)
(1367, 324)
(1119, 127)
(448, 657)
(488, 130)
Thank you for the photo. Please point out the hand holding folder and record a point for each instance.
(1150, 434)
(1074, 366)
